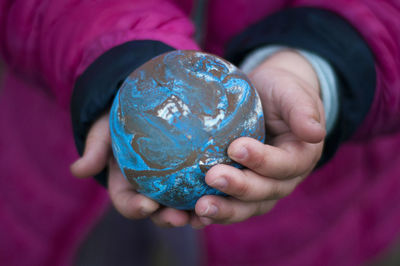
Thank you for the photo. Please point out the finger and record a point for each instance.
(247, 185)
(303, 113)
(169, 217)
(199, 222)
(230, 210)
(97, 150)
(289, 158)
(126, 200)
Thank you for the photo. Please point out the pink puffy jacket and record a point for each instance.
(345, 213)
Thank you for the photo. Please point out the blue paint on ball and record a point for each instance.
(174, 118)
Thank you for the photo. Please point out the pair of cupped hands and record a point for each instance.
(295, 125)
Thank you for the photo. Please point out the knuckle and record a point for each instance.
(291, 169)
(242, 189)
(232, 217)
(296, 169)
(228, 213)
(232, 213)
(276, 192)
(257, 162)
(287, 172)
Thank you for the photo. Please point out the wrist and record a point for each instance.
(294, 63)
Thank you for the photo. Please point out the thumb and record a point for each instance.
(303, 113)
(97, 150)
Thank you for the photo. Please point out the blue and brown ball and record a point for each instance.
(174, 118)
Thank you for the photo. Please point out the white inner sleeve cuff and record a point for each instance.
(324, 71)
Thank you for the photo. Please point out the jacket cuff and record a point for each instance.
(331, 37)
(325, 74)
(96, 88)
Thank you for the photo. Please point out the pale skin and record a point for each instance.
(294, 117)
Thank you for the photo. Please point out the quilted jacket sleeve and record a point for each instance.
(52, 42)
(81, 51)
(379, 24)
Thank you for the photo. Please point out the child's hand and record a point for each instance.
(127, 201)
(294, 116)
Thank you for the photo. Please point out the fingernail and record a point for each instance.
(314, 122)
(205, 221)
(145, 212)
(220, 183)
(210, 210)
(239, 154)
(146, 209)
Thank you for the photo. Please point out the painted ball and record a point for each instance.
(174, 118)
